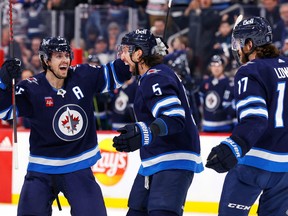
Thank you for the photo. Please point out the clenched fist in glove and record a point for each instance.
(132, 137)
(161, 48)
(10, 70)
(225, 156)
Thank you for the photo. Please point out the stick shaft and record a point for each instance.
(11, 54)
(166, 20)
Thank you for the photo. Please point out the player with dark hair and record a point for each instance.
(256, 154)
(165, 131)
(63, 141)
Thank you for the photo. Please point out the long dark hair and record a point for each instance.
(267, 51)
(153, 60)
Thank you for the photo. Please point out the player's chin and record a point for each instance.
(62, 75)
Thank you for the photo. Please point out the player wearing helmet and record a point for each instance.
(256, 154)
(63, 142)
(165, 131)
(217, 99)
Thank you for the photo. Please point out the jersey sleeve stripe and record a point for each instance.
(175, 112)
(107, 79)
(166, 102)
(253, 111)
(116, 80)
(249, 100)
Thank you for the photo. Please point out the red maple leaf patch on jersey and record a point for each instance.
(70, 122)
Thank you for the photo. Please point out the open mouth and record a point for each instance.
(63, 67)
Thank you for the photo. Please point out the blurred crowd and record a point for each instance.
(198, 33)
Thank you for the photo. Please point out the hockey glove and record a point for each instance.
(132, 137)
(225, 156)
(161, 48)
(10, 70)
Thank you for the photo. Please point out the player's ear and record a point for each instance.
(249, 42)
(138, 55)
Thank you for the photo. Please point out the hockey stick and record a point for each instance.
(11, 53)
(166, 20)
(238, 20)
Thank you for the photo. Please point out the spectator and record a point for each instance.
(222, 43)
(67, 6)
(157, 9)
(91, 37)
(178, 13)
(221, 4)
(284, 50)
(35, 44)
(208, 20)
(101, 50)
(281, 28)
(118, 12)
(35, 64)
(113, 31)
(158, 27)
(36, 19)
(6, 42)
(20, 20)
(270, 11)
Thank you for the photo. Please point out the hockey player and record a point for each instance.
(256, 154)
(165, 131)
(63, 142)
(217, 99)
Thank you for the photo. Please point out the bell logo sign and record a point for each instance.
(110, 169)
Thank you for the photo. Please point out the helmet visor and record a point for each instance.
(235, 44)
(122, 48)
(236, 47)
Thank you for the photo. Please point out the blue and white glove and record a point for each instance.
(10, 70)
(225, 156)
(133, 137)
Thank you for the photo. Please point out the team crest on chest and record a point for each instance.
(212, 101)
(70, 122)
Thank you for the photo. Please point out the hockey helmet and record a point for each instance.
(256, 29)
(93, 58)
(53, 44)
(217, 60)
(140, 38)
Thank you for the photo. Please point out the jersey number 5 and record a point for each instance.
(156, 89)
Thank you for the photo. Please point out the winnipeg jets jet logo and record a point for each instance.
(70, 122)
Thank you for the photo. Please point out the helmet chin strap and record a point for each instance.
(136, 66)
(246, 55)
(49, 68)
